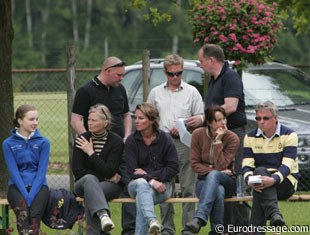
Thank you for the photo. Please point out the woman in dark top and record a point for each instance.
(152, 162)
(97, 155)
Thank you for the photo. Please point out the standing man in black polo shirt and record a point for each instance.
(225, 88)
(106, 89)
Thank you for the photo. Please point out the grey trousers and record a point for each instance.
(265, 203)
(96, 196)
(187, 178)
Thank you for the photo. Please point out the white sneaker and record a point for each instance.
(154, 228)
(106, 224)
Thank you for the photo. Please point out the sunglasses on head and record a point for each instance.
(264, 118)
(172, 74)
(120, 64)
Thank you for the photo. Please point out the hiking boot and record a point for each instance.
(106, 224)
(154, 228)
(277, 220)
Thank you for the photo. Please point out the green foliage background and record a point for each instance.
(117, 28)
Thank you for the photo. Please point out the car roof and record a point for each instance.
(161, 61)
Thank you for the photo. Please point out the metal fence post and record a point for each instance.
(71, 76)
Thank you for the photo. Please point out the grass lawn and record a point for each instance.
(295, 213)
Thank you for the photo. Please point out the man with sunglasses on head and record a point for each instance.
(225, 88)
(176, 99)
(270, 153)
(106, 88)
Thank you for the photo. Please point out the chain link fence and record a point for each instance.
(46, 89)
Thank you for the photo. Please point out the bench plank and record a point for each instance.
(295, 197)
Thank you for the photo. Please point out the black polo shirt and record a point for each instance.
(94, 92)
(228, 84)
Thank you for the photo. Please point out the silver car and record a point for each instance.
(286, 86)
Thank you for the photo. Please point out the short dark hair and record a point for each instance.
(215, 51)
(210, 113)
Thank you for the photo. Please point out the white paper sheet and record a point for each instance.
(255, 179)
(185, 135)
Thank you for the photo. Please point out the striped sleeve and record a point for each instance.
(248, 162)
(289, 161)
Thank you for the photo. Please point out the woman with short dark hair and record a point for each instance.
(213, 148)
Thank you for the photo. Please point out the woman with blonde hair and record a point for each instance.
(97, 155)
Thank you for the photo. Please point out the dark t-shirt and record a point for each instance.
(94, 92)
(228, 84)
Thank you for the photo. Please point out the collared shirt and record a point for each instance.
(277, 132)
(183, 102)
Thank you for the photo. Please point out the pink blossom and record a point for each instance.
(206, 39)
(222, 10)
(245, 37)
(215, 33)
(196, 40)
(223, 38)
(213, 28)
(232, 27)
(233, 37)
(237, 62)
(251, 49)
(203, 17)
(201, 7)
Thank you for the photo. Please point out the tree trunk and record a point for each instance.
(6, 88)
(45, 15)
(75, 24)
(175, 44)
(29, 24)
(88, 24)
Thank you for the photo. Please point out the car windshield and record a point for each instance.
(283, 87)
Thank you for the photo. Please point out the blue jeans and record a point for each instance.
(146, 198)
(211, 192)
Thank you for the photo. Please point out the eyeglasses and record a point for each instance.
(264, 118)
(120, 64)
(172, 74)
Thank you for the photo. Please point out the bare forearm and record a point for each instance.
(127, 124)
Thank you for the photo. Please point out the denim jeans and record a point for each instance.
(146, 198)
(211, 192)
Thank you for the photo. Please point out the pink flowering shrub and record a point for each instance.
(245, 29)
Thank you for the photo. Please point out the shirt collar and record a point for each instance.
(178, 89)
(24, 137)
(277, 132)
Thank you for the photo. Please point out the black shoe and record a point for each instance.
(277, 220)
(193, 226)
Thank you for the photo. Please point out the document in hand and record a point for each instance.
(255, 179)
(185, 135)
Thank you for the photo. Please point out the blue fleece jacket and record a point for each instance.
(27, 162)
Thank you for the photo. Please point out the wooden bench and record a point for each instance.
(5, 205)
